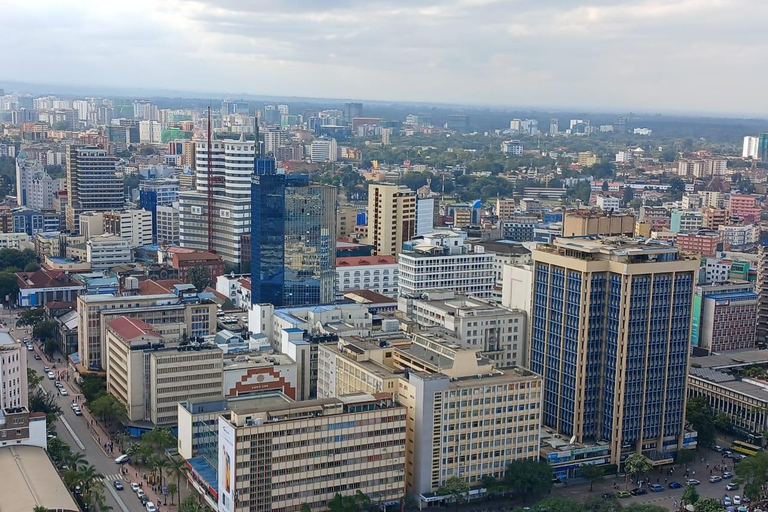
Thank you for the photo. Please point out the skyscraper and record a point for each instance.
(762, 147)
(233, 164)
(92, 184)
(391, 217)
(610, 331)
(293, 235)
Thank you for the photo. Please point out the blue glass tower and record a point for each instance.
(293, 236)
(610, 330)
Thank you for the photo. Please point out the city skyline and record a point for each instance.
(489, 53)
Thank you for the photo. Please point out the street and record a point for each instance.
(74, 431)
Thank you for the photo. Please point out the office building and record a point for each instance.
(352, 110)
(26, 168)
(92, 184)
(553, 126)
(685, 221)
(512, 147)
(505, 208)
(724, 316)
(608, 203)
(157, 192)
(443, 385)
(519, 228)
(762, 147)
(106, 251)
(750, 147)
(610, 333)
(186, 261)
(173, 315)
(150, 132)
(135, 226)
(323, 150)
(761, 287)
(703, 242)
(739, 238)
(391, 218)
(442, 261)
(713, 217)
(293, 236)
(501, 334)
(45, 285)
(150, 376)
(374, 273)
(273, 139)
(233, 166)
(167, 225)
(13, 362)
(744, 207)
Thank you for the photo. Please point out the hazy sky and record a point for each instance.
(683, 55)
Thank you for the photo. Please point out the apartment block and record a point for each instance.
(701, 242)
(684, 221)
(391, 218)
(374, 273)
(724, 316)
(13, 362)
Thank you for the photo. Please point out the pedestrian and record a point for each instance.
(665, 481)
(694, 472)
(707, 465)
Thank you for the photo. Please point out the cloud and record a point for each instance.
(693, 55)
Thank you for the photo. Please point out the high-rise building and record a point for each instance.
(749, 149)
(233, 165)
(13, 362)
(353, 110)
(293, 238)
(273, 139)
(323, 150)
(610, 335)
(92, 184)
(158, 192)
(553, 126)
(761, 287)
(26, 168)
(391, 217)
(762, 147)
(167, 225)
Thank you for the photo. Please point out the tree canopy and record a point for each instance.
(528, 478)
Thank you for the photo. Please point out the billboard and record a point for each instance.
(226, 466)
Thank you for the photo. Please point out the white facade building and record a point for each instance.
(425, 215)
(13, 363)
(323, 150)
(26, 170)
(739, 237)
(150, 132)
(516, 287)
(105, 251)
(374, 273)
(132, 225)
(441, 261)
(513, 147)
(608, 203)
(168, 225)
(749, 149)
(273, 139)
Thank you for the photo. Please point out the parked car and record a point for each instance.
(51, 375)
(623, 494)
(638, 491)
(37, 357)
(737, 499)
(715, 478)
(117, 484)
(63, 392)
(78, 412)
(726, 501)
(140, 493)
(151, 507)
(675, 485)
(135, 487)
(731, 486)
(728, 474)
(123, 459)
(46, 369)
(692, 481)
(656, 488)
(30, 348)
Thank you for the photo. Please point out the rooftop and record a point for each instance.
(355, 261)
(132, 328)
(731, 359)
(6, 339)
(44, 279)
(368, 297)
(30, 480)
(502, 247)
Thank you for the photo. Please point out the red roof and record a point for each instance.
(132, 328)
(152, 287)
(245, 283)
(196, 255)
(44, 278)
(355, 261)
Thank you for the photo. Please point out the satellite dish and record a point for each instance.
(573, 440)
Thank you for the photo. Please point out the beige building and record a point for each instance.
(280, 454)
(151, 377)
(505, 208)
(391, 217)
(594, 222)
(346, 220)
(172, 317)
(587, 159)
(443, 385)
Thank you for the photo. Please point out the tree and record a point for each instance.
(699, 414)
(490, 484)
(456, 488)
(628, 195)
(92, 386)
(177, 468)
(637, 464)
(528, 478)
(685, 457)
(190, 504)
(108, 408)
(33, 380)
(605, 187)
(172, 488)
(39, 508)
(722, 423)
(708, 505)
(32, 266)
(592, 474)
(643, 507)
(31, 317)
(200, 277)
(690, 495)
(305, 508)
(753, 473)
(354, 503)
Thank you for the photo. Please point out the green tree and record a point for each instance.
(708, 505)
(32, 266)
(39, 508)
(685, 457)
(491, 484)
(637, 464)
(456, 488)
(643, 507)
(305, 508)
(172, 489)
(9, 286)
(592, 474)
(45, 330)
(190, 504)
(699, 414)
(177, 468)
(753, 473)
(200, 277)
(108, 408)
(92, 386)
(722, 423)
(354, 503)
(31, 317)
(33, 380)
(690, 494)
(528, 478)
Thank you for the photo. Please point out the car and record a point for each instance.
(78, 412)
(656, 488)
(727, 454)
(51, 375)
(715, 478)
(151, 507)
(117, 484)
(140, 493)
(638, 491)
(135, 487)
(623, 494)
(743, 509)
(74, 406)
(731, 486)
(608, 495)
(728, 474)
(717, 448)
(58, 384)
(144, 500)
(692, 481)
(675, 485)
(30, 348)
(38, 358)
(46, 369)
(736, 499)
(63, 392)
(726, 501)
(744, 499)
(123, 459)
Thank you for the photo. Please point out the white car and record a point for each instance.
(63, 392)
(134, 486)
(737, 500)
(30, 348)
(122, 459)
(51, 375)
(151, 507)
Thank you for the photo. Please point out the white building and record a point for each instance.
(750, 149)
(105, 251)
(232, 169)
(150, 132)
(516, 287)
(512, 147)
(739, 237)
(237, 287)
(642, 131)
(168, 225)
(608, 203)
(323, 150)
(499, 332)
(425, 215)
(374, 273)
(26, 170)
(506, 253)
(273, 139)
(624, 157)
(166, 190)
(17, 240)
(13, 363)
(441, 261)
(132, 225)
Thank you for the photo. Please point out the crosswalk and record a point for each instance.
(112, 478)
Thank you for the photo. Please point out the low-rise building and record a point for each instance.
(739, 238)
(37, 288)
(106, 251)
(150, 377)
(375, 273)
(30, 479)
(685, 221)
(702, 242)
(188, 260)
(18, 241)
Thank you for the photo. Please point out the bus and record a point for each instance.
(745, 448)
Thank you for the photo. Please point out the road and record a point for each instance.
(74, 431)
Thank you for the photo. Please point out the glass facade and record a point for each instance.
(293, 234)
